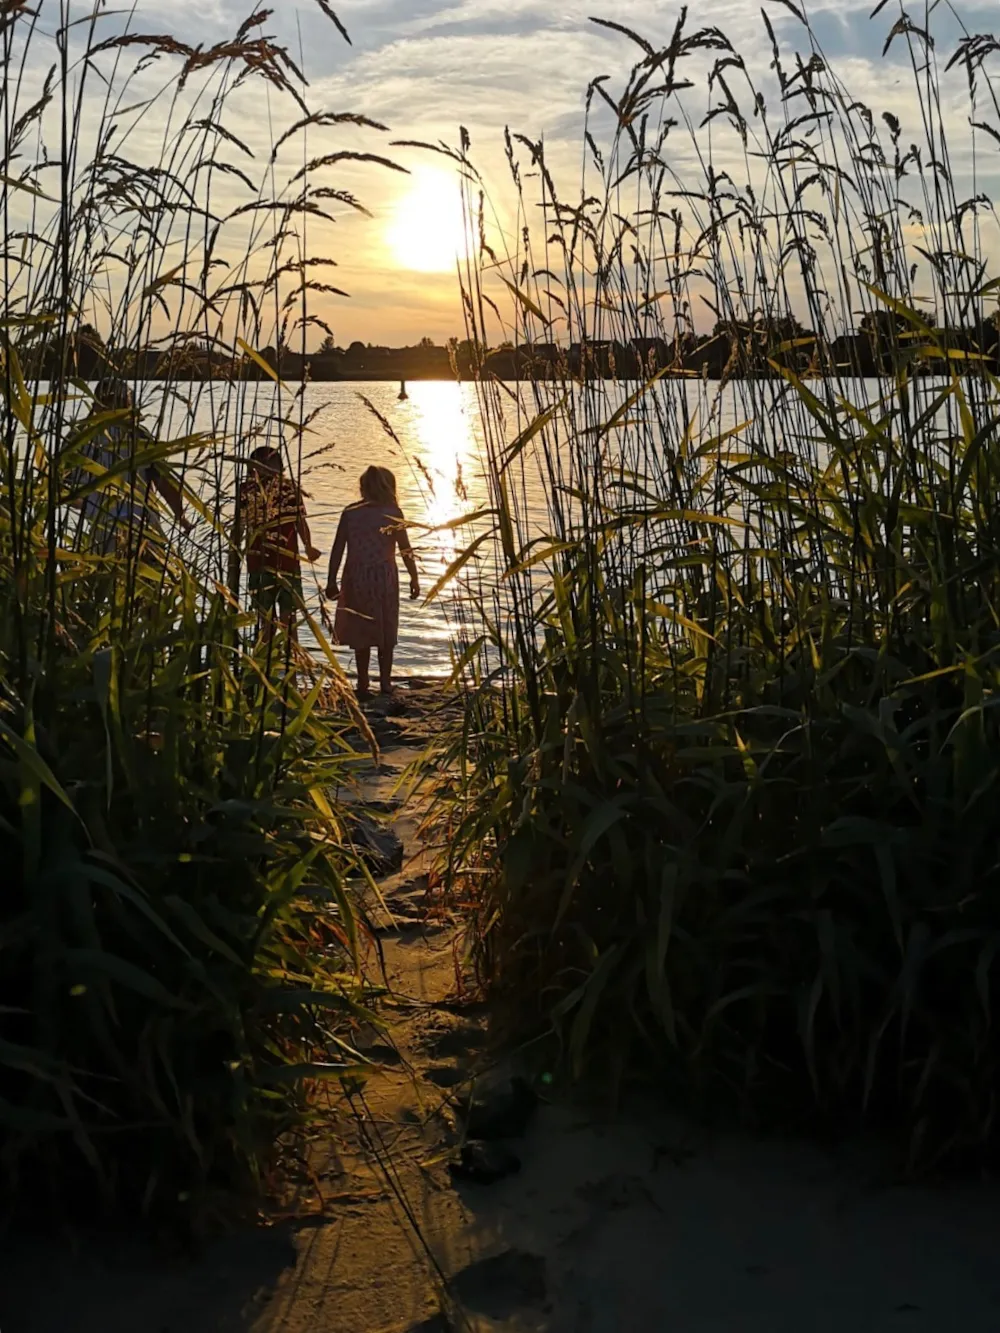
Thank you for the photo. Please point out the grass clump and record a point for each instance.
(731, 748)
(179, 943)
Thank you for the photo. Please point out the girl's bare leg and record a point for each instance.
(385, 656)
(364, 657)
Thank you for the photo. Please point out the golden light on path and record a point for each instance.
(427, 233)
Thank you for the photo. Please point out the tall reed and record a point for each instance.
(731, 751)
(179, 939)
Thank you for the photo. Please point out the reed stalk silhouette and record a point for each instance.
(731, 750)
(180, 941)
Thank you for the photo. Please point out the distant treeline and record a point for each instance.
(880, 345)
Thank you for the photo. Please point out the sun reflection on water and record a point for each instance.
(445, 462)
(439, 472)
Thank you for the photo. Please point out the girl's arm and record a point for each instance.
(409, 559)
(313, 553)
(336, 556)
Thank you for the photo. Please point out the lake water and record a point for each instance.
(438, 459)
(434, 444)
(437, 455)
(440, 477)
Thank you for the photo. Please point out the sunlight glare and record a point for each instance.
(448, 460)
(427, 231)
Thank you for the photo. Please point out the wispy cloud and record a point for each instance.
(425, 67)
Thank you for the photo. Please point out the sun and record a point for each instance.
(426, 233)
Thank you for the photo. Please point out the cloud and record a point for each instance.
(425, 67)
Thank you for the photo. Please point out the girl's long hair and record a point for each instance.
(378, 486)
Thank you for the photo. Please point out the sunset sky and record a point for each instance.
(425, 67)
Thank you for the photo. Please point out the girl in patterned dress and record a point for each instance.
(271, 523)
(370, 533)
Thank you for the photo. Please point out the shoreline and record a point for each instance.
(693, 376)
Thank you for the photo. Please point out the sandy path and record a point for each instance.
(638, 1224)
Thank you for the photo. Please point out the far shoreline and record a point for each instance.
(879, 351)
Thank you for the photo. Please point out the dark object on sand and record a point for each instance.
(439, 1323)
(500, 1112)
(445, 1076)
(504, 1286)
(386, 705)
(379, 846)
(484, 1163)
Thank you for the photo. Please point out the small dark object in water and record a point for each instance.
(484, 1163)
(502, 1112)
(403, 395)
